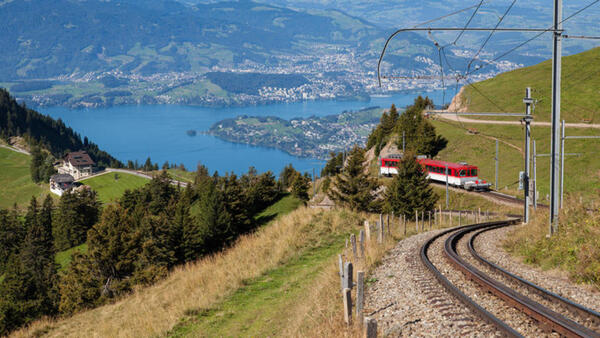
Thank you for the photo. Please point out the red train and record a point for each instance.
(459, 174)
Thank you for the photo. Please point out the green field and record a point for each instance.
(259, 308)
(579, 100)
(109, 189)
(15, 180)
(285, 205)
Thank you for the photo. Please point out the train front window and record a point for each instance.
(462, 173)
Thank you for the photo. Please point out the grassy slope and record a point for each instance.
(582, 173)
(110, 189)
(15, 180)
(580, 84)
(575, 249)
(63, 258)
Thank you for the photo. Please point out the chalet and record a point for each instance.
(77, 164)
(60, 183)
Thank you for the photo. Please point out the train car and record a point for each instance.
(389, 165)
(459, 174)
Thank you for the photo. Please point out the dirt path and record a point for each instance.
(18, 150)
(452, 117)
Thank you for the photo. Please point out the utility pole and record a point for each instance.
(496, 158)
(314, 183)
(528, 102)
(403, 142)
(562, 162)
(556, 73)
(447, 187)
(534, 178)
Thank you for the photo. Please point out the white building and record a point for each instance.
(77, 164)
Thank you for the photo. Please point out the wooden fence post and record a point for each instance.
(450, 218)
(341, 264)
(379, 232)
(422, 220)
(404, 222)
(360, 296)
(347, 306)
(361, 240)
(478, 215)
(429, 219)
(367, 230)
(389, 231)
(459, 217)
(348, 275)
(416, 220)
(370, 328)
(353, 243)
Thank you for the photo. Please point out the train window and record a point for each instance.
(462, 173)
(473, 172)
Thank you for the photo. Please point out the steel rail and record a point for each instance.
(551, 319)
(480, 311)
(550, 296)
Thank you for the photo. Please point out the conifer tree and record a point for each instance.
(354, 187)
(300, 186)
(29, 288)
(11, 235)
(419, 134)
(77, 212)
(410, 190)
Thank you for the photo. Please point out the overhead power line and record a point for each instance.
(491, 34)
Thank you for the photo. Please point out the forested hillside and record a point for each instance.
(38, 129)
(133, 242)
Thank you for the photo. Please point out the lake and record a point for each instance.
(160, 131)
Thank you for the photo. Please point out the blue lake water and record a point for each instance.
(160, 131)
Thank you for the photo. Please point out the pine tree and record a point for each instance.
(77, 212)
(11, 235)
(419, 134)
(300, 186)
(29, 288)
(354, 187)
(410, 189)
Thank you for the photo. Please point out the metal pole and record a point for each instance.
(314, 183)
(496, 185)
(534, 177)
(528, 102)
(447, 187)
(562, 163)
(403, 142)
(556, 73)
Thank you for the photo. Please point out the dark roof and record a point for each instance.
(62, 178)
(79, 158)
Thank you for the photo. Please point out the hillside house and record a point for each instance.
(60, 183)
(77, 164)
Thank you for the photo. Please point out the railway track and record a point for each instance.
(545, 310)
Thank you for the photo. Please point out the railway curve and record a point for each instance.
(573, 320)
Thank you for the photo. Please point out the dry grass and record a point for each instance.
(154, 310)
(575, 249)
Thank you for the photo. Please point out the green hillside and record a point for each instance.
(580, 89)
(111, 186)
(15, 180)
(582, 173)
